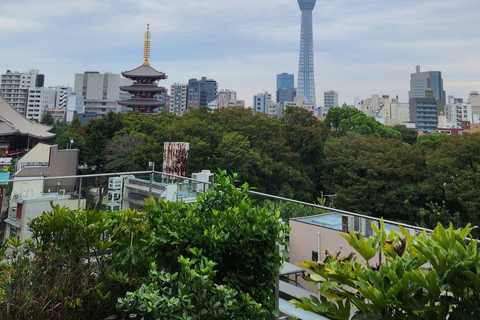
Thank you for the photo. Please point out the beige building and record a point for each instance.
(300, 104)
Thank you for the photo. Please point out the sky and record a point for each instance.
(361, 47)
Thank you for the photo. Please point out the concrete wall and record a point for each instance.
(306, 237)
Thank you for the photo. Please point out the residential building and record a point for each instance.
(458, 112)
(32, 197)
(275, 110)
(423, 112)
(178, 99)
(201, 92)
(39, 100)
(25, 93)
(474, 100)
(260, 102)
(227, 98)
(300, 103)
(371, 106)
(330, 100)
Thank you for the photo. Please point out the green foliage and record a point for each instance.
(81, 264)
(229, 229)
(408, 135)
(374, 176)
(422, 277)
(431, 142)
(343, 121)
(290, 210)
(190, 293)
(453, 176)
(47, 119)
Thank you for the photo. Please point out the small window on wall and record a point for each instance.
(314, 255)
(13, 232)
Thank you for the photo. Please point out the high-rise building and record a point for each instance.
(201, 92)
(306, 74)
(178, 99)
(285, 80)
(420, 82)
(227, 98)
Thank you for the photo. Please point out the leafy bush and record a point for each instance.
(423, 277)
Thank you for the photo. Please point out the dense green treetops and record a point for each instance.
(374, 169)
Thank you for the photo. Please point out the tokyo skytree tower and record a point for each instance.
(306, 74)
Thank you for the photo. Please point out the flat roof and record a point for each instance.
(333, 221)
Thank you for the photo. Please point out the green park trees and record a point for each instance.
(374, 169)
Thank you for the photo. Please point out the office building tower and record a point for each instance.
(421, 82)
(285, 94)
(285, 80)
(201, 92)
(306, 74)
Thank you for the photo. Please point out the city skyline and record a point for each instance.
(361, 47)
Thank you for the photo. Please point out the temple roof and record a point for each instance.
(141, 103)
(144, 71)
(12, 122)
(144, 88)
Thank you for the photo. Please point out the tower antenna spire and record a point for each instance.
(146, 49)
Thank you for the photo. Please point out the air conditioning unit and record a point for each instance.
(113, 207)
(195, 176)
(115, 183)
(114, 195)
(61, 192)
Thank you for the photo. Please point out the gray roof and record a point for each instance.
(13, 122)
(144, 71)
(141, 103)
(142, 88)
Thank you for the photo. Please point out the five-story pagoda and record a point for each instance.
(144, 90)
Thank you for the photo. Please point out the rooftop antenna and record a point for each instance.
(146, 49)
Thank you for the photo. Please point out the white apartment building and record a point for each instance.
(14, 87)
(371, 106)
(260, 102)
(226, 98)
(39, 100)
(330, 100)
(178, 99)
(458, 112)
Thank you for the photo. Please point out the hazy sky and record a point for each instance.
(361, 47)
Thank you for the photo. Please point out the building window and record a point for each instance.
(13, 232)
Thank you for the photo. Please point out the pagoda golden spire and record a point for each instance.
(146, 49)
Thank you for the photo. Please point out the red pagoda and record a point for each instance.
(144, 90)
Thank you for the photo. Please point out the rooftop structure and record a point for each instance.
(306, 73)
(144, 90)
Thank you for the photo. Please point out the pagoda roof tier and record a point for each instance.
(143, 88)
(13, 122)
(141, 103)
(144, 71)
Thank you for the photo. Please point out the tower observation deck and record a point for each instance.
(306, 73)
